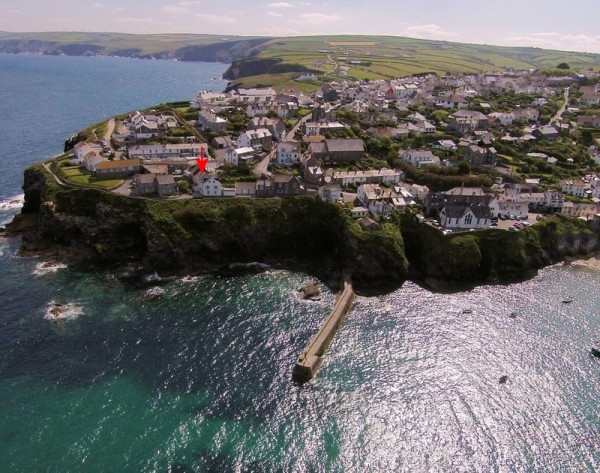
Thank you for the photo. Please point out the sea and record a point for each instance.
(194, 374)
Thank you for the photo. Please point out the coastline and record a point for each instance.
(93, 228)
(591, 261)
(170, 59)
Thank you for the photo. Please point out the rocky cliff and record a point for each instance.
(492, 255)
(253, 67)
(302, 233)
(220, 51)
(206, 234)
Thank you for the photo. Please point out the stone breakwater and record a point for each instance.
(313, 355)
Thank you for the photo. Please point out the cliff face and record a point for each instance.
(222, 51)
(297, 233)
(493, 256)
(252, 67)
(207, 234)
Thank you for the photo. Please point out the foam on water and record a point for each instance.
(48, 267)
(58, 311)
(153, 293)
(190, 279)
(12, 203)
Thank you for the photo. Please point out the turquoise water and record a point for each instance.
(198, 379)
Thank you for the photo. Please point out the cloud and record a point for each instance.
(280, 5)
(278, 31)
(272, 13)
(317, 19)
(210, 18)
(431, 31)
(136, 20)
(97, 6)
(560, 41)
(175, 9)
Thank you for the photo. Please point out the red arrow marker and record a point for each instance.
(202, 162)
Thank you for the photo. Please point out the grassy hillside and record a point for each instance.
(380, 57)
(187, 47)
(384, 57)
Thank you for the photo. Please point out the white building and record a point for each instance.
(420, 158)
(237, 155)
(554, 199)
(379, 176)
(359, 212)
(574, 187)
(256, 139)
(463, 216)
(207, 98)
(318, 128)
(161, 151)
(378, 200)
(91, 160)
(288, 153)
(330, 193)
(206, 185)
(83, 148)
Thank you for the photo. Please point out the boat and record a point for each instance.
(596, 349)
(567, 300)
(513, 315)
(467, 311)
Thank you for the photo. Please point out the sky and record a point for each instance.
(567, 25)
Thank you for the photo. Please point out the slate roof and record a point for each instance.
(345, 145)
(165, 180)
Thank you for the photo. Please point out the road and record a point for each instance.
(335, 64)
(292, 132)
(558, 115)
(262, 167)
(125, 188)
(109, 131)
(46, 166)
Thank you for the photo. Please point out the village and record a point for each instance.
(465, 152)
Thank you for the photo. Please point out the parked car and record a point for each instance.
(513, 229)
(493, 224)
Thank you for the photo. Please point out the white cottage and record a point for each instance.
(206, 185)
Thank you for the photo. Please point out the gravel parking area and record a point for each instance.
(504, 224)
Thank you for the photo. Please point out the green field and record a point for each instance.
(79, 175)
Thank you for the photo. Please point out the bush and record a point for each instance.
(184, 187)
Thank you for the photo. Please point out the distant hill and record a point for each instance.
(183, 47)
(277, 61)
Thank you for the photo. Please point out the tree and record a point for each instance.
(464, 168)
(563, 65)
(587, 139)
(184, 187)
(439, 116)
